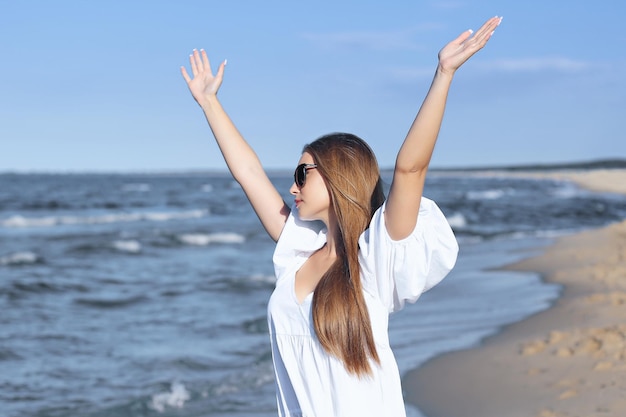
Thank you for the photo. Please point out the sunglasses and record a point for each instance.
(299, 176)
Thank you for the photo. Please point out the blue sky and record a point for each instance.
(95, 85)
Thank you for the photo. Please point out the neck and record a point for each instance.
(331, 237)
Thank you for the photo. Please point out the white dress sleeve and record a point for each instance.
(396, 271)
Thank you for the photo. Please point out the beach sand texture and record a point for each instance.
(569, 361)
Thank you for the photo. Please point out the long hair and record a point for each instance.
(340, 317)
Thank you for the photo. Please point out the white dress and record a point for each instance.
(309, 381)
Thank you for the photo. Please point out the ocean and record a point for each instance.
(145, 294)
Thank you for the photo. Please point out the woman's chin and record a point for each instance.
(306, 216)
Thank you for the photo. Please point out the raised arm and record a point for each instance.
(414, 156)
(240, 158)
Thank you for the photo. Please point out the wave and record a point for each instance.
(256, 326)
(263, 279)
(174, 398)
(476, 235)
(227, 392)
(136, 187)
(46, 205)
(130, 246)
(21, 288)
(20, 258)
(202, 239)
(110, 303)
(135, 246)
(567, 191)
(240, 284)
(457, 221)
(542, 234)
(7, 354)
(19, 221)
(487, 194)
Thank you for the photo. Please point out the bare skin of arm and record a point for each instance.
(240, 158)
(412, 162)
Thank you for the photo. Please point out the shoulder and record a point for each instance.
(429, 213)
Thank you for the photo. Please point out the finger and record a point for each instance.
(489, 31)
(196, 57)
(463, 37)
(205, 61)
(487, 28)
(183, 71)
(194, 68)
(480, 39)
(488, 25)
(220, 71)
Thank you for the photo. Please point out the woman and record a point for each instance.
(345, 258)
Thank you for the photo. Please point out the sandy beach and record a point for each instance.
(568, 361)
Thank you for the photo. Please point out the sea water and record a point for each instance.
(145, 294)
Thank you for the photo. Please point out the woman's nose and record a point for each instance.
(294, 189)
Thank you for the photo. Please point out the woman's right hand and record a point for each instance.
(454, 54)
(203, 85)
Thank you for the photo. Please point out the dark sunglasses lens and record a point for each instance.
(300, 175)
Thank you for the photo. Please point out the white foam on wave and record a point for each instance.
(174, 398)
(21, 221)
(136, 187)
(203, 239)
(567, 191)
(19, 258)
(542, 234)
(266, 279)
(486, 194)
(18, 221)
(457, 221)
(131, 246)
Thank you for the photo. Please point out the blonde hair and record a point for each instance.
(340, 317)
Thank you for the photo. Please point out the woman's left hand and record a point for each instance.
(454, 54)
(203, 85)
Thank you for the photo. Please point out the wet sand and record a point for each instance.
(567, 361)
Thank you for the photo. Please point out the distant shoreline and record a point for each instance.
(584, 165)
(611, 180)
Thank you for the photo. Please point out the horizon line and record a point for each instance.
(613, 163)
